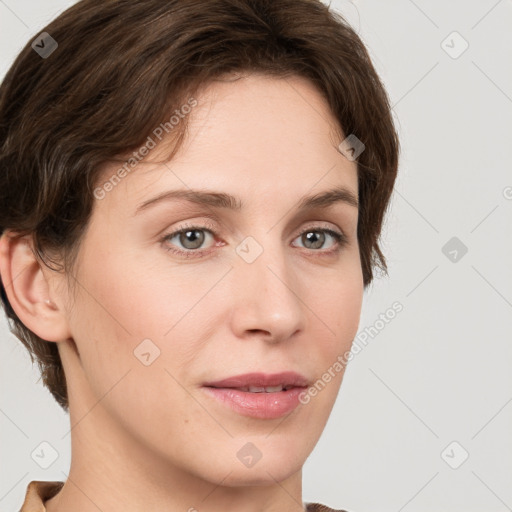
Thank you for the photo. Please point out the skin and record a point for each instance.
(147, 437)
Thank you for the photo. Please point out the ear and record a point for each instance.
(30, 289)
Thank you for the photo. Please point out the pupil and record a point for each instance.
(317, 240)
(194, 240)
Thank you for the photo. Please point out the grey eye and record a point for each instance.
(315, 238)
(189, 238)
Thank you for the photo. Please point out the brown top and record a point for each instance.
(38, 492)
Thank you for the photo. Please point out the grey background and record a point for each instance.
(440, 371)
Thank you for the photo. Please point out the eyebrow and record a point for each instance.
(223, 200)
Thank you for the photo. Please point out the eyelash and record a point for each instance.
(341, 240)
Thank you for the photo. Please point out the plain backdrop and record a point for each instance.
(424, 415)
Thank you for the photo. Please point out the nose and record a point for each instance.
(266, 296)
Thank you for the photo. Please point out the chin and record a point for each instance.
(277, 466)
(266, 474)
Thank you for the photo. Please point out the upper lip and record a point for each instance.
(261, 380)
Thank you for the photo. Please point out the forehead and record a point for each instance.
(274, 137)
(255, 110)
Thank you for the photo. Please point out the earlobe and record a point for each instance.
(29, 289)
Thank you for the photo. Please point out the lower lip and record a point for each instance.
(258, 405)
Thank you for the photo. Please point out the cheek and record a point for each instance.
(126, 309)
(337, 303)
(344, 308)
(335, 314)
(117, 321)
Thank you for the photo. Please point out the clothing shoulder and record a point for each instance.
(37, 493)
(318, 507)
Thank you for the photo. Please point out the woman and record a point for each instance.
(192, 198)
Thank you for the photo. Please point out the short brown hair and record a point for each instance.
(121, 66)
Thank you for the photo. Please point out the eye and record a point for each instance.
(315, 238)
(190, 238)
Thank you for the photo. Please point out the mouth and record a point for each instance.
(258, 395)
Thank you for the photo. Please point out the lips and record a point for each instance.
(259, 395)
(261, 382)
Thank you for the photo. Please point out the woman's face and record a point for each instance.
(264, 287)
